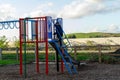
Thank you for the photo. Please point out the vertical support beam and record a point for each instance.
(37, 54)
(100, 54)
(17, 53)
(57, 61)
(75, 52)
(0, 53)
(20, 33)
(47, 57)
(25, 71)
(46, 44)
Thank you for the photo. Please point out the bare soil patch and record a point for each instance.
(91, 71)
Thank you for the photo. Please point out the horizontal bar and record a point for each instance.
(96, 46)
(9, 21)
(33, 17)
(22, 19)
(33, 41)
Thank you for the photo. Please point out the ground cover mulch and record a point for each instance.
(90, 71)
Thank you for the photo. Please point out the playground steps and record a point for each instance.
(62, 46)
(67, 46)
(65, 57)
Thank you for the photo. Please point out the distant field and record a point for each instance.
(94, 35)
(102, 41)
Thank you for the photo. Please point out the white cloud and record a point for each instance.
(79, 8)
(76, 9)
(96, 1)
(110, 29)
(95, 30)
(113, 28)
(7, 12)
(45, 6)
(43, 10)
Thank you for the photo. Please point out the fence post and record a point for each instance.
(17, 53)
(100, 53)
(75, 52)
(0, 53)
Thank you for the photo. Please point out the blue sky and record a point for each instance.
(78, 15)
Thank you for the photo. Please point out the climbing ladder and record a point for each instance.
(65, 57)
(63, 50)
(66, 43)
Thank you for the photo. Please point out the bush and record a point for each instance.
(72, 36)
(93, 58)
(108, 59)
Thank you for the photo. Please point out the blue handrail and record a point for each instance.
(65, 37)
(63, 55)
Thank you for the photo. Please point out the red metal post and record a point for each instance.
(43, 38)
(46, 39)
(37, 54)
(20, 34)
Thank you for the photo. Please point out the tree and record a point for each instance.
(17, 43)
(73, 36)
(3, 42)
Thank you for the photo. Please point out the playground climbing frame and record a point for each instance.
(39, 34)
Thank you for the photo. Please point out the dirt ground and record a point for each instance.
(90, 71)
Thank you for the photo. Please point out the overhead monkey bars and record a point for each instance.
(9, 24)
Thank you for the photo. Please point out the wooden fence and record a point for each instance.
(98, 49)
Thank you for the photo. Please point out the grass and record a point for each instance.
(94, 35)
(11, 58)
(8, 62)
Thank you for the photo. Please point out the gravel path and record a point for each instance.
(91, 71)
